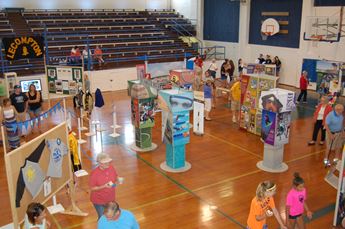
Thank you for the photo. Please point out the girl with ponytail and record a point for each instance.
(262, 206)
(295, 204)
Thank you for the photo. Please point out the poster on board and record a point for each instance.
(64, 79)
(268, 127)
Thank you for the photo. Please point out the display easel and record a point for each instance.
(198, 113)
(16, 158)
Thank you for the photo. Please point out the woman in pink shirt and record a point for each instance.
(295, 204)
(102, 183)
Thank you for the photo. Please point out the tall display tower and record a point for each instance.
(276, 105)
(142, 109)
(176, 106)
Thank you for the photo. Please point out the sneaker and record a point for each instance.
(311, 143)
(234, 119)
(321, 142)
(326, 162)
(335, 160)
(304, 101)
(297, 102)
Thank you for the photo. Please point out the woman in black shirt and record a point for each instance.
(34, 102)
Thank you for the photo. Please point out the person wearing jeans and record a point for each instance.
(303, 85)
(320, 114)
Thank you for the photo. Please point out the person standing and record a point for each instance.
(240, 66)
(8, 116)
(262, 207)
(213, 68)
(102, 183)
(20, 101)
(320, 114)
(303, 85)
(208, 98)
(334, 126)
(235, 97)
(116, 217)
(34, 102)
(278, 64)
(231, 71)
(268, 60)
(296, 203)
(198, 63)
(224, 72)
(260, 59)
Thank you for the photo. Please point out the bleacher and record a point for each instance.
(123, 35)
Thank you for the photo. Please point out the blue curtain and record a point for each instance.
(329, 2)
(221, 20)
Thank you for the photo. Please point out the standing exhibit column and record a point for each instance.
(175, 105)
(276, 105)
(142, 109)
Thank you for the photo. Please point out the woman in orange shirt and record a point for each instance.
(263, 206)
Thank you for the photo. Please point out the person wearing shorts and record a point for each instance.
(334, 133)
(208, 99)
(235, 96)
(34, 103)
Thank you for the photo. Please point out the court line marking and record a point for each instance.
(181, 186)
(56, 222)
(234, 145)
(305, 156)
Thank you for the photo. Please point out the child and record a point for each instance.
(235, 97)
(295, 204)
(208, 98)
(36, 217)
(262, 206)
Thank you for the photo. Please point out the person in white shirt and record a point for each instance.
(213, 68)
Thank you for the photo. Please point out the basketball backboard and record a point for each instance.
(322, 29)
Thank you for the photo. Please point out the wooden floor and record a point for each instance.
(215, 193)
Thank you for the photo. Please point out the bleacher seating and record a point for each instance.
(123, 35)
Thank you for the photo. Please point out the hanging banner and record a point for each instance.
(24, 47)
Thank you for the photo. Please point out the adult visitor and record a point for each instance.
(34, 102)
(319, 118)
(116, 217)
(213, 68)
(8, 116)
(20, 101)
(303, 85)
(334, 126)
(102, 183)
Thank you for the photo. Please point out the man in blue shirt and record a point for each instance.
(115, 217)
(334, 133)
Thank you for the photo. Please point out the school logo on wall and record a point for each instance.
(17, 48)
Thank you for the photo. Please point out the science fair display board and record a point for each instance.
(276, 105)
(39, 169)
(64, 79)
(142, 110)
(325, 76)
(176, 106)
(251, 88)
(182, 77)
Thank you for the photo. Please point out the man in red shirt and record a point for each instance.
(102, 183)
(303, 85)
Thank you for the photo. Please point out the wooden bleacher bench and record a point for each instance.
(94, 27)
(85, 19)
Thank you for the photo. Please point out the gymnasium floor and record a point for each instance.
(215, 193)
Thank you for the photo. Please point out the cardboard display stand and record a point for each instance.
(175, 105)
(28, 167)
(277, 105)
(198, 112)
(251, 88)
(142, 109)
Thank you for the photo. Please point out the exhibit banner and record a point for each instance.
(24, 47)
(64, 79)
(268, 127)
(325, 76)
(163, 69)
(175, 100)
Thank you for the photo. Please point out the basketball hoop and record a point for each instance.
(269, 27)
(264, 35)
(316, 37)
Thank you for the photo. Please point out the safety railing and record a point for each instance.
(181, 30)
(213, 52)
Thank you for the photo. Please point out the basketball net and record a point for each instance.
(264, 35)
